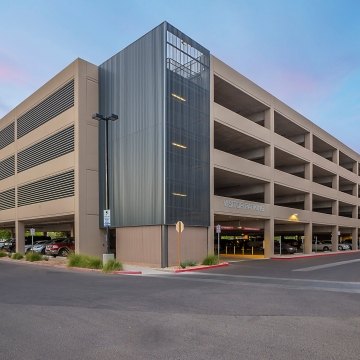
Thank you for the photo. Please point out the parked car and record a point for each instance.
(40, 246)
(2, 243)
(60, 247)
(347, 242)
(326, 245)
(10, 245)
(318, 245)
(285, 248)
(343, 246)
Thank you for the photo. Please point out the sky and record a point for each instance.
(304, 52)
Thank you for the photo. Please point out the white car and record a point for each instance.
(325, 245)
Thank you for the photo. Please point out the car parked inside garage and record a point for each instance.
(60, 247)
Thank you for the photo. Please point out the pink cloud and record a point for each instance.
(10, 73)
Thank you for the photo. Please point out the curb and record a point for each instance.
(316, 255)
(124, 272)
(199, 268)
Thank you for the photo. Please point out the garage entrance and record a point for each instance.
(240, 237)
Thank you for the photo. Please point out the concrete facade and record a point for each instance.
(271, 169)
(77, 214)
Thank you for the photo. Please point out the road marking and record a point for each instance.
(339, 263)
(275, 283)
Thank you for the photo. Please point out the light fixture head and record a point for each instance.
(112, 117)
(97, 116)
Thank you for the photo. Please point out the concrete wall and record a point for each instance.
(193, 244)
(139, 245)
(80, 211)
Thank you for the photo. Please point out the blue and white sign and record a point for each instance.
(107, 221)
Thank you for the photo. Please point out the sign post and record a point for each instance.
(107, 224)
(218, 231)
(179, 229)
(32, 232)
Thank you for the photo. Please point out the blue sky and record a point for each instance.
(305, 52)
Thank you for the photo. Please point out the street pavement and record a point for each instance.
(263, 309)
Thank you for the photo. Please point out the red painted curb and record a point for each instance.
(201, 268)
(123, 272)
(316, 255)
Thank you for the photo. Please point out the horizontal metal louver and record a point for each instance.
(51, 188)
(52, 106)
(7, 167)
(7, 135)
(50, 148)
(7, 199)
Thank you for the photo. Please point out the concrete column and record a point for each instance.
(269, 119)
(354, 236)
(308, 238)
(335, 209)
(20, 236)
(355, 212)
(269, 193)
(72, 231)
(335, 182)
(355, 190)
(355, 168)
(308, 202)
(308, 141)
(335, 157)
(308, 172)
(334, 238)
(269, 238)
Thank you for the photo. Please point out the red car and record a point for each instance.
(61, 247)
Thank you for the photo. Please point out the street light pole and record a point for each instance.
(111, 117)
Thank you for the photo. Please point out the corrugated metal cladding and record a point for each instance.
(52, 106)
(51, 188)
(7, 167)
(187, 130)
(7, 135)
(132, 87)
(50, 148)
(7, 199)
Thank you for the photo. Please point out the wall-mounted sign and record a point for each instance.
(107, 221)
(238, 204)
(179, 227)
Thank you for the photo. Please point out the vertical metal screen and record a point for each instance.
(187, 130)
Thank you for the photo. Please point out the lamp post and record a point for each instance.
(111, 117)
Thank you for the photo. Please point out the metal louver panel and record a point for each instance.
(52, 106)
(7, 135)
(50, 148)
(51, 188)
(7, 167)
(7, 199)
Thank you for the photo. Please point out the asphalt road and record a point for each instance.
(265, 309)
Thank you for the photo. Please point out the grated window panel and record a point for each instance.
(7, 135)
(51, 188)
(7, 199)
(48, 149)
(7, 167)
(55, 104)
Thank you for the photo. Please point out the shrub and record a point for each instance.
(211, 260)
(84, 261)
(3, 253)
(17, 256)
(33, 256)
(112, 265)
(187, 263)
